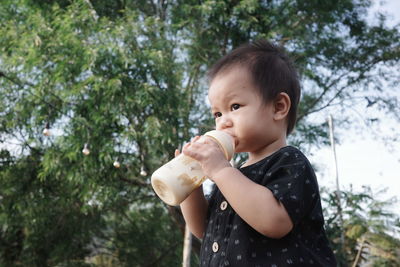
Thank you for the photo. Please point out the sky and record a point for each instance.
(364, 159)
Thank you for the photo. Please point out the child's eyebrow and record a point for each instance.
(231, 95)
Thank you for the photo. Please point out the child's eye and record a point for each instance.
(217, 114)
(235, 106)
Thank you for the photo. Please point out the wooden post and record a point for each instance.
(187, 247)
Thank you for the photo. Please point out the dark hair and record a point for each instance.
(271, 69)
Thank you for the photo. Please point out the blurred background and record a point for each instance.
(96, 95)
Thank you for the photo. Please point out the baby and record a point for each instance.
(267, 212)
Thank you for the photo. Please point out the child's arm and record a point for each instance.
(194, 210)
(254, 203)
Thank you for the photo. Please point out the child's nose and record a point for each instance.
(224, 122)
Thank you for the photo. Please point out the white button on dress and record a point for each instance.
(223, 205)
(215, 247)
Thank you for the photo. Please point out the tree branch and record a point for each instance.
(331, 84)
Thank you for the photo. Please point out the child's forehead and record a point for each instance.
(234, 69)
(231, 83)
(224, 94)
(233, 77)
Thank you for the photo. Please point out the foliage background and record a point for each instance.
(127, 78)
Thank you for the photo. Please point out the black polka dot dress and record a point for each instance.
(229, 241)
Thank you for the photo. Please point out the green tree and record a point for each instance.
(371, 229)
(127, 78)
(113, 84)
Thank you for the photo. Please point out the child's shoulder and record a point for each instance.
(285, 157)
(288, 153)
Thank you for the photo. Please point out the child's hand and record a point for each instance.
(208, 153)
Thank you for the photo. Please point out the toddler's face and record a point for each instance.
(239, 110)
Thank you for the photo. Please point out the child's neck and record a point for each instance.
(263, 152)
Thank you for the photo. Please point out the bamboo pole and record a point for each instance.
(337, 193)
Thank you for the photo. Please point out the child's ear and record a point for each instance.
(281, 106)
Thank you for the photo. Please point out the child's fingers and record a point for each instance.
(177, 152)
(185, 146)
(186, 149)
(194, 139)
